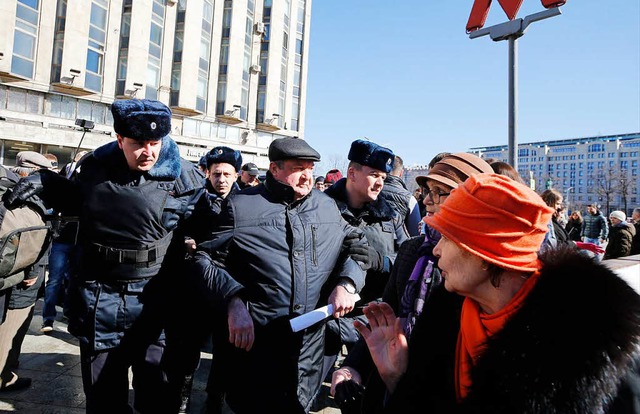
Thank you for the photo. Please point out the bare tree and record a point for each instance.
(332, 161)
(623, 187)
(606, 185)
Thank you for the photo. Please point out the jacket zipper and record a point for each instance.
(314, 255)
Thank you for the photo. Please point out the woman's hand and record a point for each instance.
(386, 341)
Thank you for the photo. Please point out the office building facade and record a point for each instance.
(232, 71)
(603, 169)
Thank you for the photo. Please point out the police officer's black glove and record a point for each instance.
(355, 244)
(24, 189)
(349, 396)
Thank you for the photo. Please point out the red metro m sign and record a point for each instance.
(480, 10)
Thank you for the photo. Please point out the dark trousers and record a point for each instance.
(105, 378)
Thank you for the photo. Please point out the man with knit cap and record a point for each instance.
(279, 247)
(132, 195)
(358, 198)
(621, 236)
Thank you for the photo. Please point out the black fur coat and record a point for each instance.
(574, 347)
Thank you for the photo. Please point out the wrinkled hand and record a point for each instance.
(24, 189)
(386, 341)
(357, 246)
(344, 373)
(241, 332)
(342, 301)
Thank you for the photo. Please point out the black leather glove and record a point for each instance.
(355, 244)
(349, 396)
(24, 189)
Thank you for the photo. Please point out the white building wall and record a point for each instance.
(35, 114)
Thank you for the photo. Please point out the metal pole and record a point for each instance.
(513, 101)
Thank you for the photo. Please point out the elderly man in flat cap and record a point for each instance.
(282, 249)
(358, 198)
(131, 195)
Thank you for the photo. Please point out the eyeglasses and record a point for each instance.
(434, 195)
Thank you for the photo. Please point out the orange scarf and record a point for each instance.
(477, 327)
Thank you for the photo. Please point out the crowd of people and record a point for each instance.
(471, 294)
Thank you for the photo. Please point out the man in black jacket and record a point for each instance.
(278, 246)
(130, 195)
(396, 193)
(358, 196)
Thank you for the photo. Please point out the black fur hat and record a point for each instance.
(372, 155)
(141, 119)
(224, 154)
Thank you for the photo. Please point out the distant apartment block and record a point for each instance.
(233, 71)
(602, 169)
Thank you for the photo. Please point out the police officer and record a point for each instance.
(358, 198)
(222, 165)
(131, 195)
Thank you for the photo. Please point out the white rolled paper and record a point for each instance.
(304, 321)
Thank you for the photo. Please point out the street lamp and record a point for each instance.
(567, 191)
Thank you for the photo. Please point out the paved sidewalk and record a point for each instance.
(52, 361)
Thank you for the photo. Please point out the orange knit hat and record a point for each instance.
(496, 218)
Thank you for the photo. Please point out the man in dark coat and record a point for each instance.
(278, 246)
(248, 175)
(635, 244)
(594, 226)
(621, 236)
(396, 193)
(130, 195)
(358, 196)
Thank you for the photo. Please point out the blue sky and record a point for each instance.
(406, 75)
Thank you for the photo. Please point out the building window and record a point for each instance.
(246, 63)
(205, 56)
(178, 44)
(58, 40)
(95, 49)
(155, 49)
(25, 37)
(123, 52)
(221, 96)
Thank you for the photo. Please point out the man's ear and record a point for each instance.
(273, 168)
(351, 173)
(120, 139)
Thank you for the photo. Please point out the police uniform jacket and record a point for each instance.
(127, 223)
(385, 232)
(280, 254)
